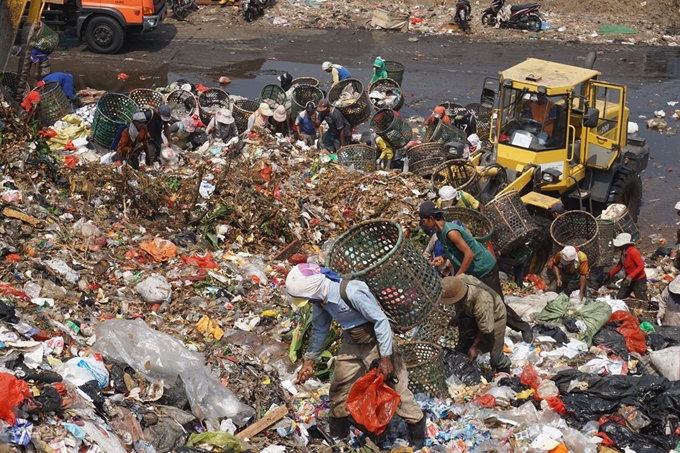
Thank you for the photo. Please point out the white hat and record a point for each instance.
(473, 139)
(138, 116)
(677, 206)
(622, 239)
(186, 87)
(265, 110)
(569, 255)
(447, 193)
(674, 286)
(224, 116)
(326, 65)
(280, 113)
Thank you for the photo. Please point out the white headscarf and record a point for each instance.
(306, 281)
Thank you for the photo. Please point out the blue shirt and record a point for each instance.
(64, 80)
(306, 124)
(366, 309)
(343, 73)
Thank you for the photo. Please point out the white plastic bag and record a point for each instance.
(80, 370)
(154, 289)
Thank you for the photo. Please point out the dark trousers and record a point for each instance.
(514, 321)
(638, 287)
(492, 342)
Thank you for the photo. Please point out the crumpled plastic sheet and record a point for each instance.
(457, 363)
(158, 355)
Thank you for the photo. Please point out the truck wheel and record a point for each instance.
(104, 34)
(626, 189)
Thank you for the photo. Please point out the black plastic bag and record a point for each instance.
(610, 338)
(623, 437)
(456, 363)
(551, 331)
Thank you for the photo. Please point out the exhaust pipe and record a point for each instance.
(590, 60)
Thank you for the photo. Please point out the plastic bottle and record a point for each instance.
(64, 270)
(142, 446)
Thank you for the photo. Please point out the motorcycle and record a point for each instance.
(182, 8)
(252, 9)
(463, 10)
(521, 17)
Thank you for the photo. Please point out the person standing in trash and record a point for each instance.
(304, 124)
(260, 118)
(133, 141)
(386, 153)
(378, 70)
(64, 80)
(439, 113)
(469, 257)
(279, 121)
(459, 198)
(433, 250)
(466, 121)
(669, 304)
(339, 72)
(480, 318)
(339, 131)
(222, 126)
(557, 210)
(633, 266)
(367, 338)
(42, 64)
(569, 269)
(158, 123)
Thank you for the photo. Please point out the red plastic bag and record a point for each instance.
(486, 401)
(529, 376)
(557, 405)
(14, 391)
(372, 403)
(630, 329)
(205, 262)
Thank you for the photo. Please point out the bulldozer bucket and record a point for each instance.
(10, 17)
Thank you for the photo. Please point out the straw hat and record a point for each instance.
(265, 110)
(280, 113)
(623, 239)
(674, 286)
(454, 290)
(224, 116)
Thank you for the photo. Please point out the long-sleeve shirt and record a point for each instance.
(669, 308)
(386, 151)
(483, 304)
(365, 308)
(632, 264)
(340, 73)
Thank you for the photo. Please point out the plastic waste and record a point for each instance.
(142, 446)
(160, 249)
(63, 269)
(206, 189)
(255, 273)
(154, 289)
(13, 392)
(157, 355)
(80, 370)
(216, 439)
(372, 403)
(85, 228)
(547, 389)
(667, 362)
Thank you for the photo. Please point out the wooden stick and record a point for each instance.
(263, 423)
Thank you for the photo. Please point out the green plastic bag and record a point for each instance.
(647, 326)
(218, 439)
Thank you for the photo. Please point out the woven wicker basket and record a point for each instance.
(301, 95)
(625, 224)
(451, 108)
(10, 80)
(53, 102)
(147, 99)
(395, 71)
(361, 157)
(381, 86)
(426, 373)
(425, 151)
(439, 131)
(113, 110)
(425, 167)
(435, 328)
(607, 233)
(391, 128)
(578, 229)
(305, 81)
(477, 224)
(483, 115)
(360, 110)
(402, 280)
(182, 104)
(511, 221)
(210, 101)
(242, 110)
(273, 95)
(459, 174)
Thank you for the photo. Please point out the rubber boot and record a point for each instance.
(416, 432)
(338, 427)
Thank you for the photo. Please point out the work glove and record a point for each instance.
(627, 281)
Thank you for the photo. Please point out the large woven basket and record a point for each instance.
(451, 108)
(182, 104)
(210, 101)
(426, 373)
(301, 95)
(53, 102)
(578, 229)
(624, 223)
(483, 114)
(113, 110)
(382, 86)
(435, 327)
(273, 95)
(305, 81)
(477, 224)
(511, 221)
(607, 233)
(10, 80)
(395, 71)
(376, 252)
(425, 151)
(391, 128)
(358, 111)
(460, 174)
(425, 167)
(147, 99)
(361, 157)
(439, 131)
(242, 110)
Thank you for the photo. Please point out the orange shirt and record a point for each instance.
(543, 113)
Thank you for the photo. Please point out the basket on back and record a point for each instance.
(210, 101)
(607, 233)
(361, 157)
(511, 221)
(147, 99)
(377, 253)
(476, 223)
(439, 131)
(424, 159)
(311, 81)
(273, 95)
(351, 99)
(302, 94)
(113, 110)
(393, 129)
(459, 174)
(623, 221)
(242, 111)
(10, 81)
(395, 71)
(390, 93)
(182, 104)
(53, 102)
(578, 229)
(426, 372)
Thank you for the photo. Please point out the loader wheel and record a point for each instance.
(626, 189)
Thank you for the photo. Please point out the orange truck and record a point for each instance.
(104, 24)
